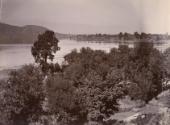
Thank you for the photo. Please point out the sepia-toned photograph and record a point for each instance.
(84, 62)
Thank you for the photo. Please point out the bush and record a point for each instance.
(147, 70)
(64, 101)
(167, 62)
(22, 96)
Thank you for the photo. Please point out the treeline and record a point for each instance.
(85, 88)
(121, 37)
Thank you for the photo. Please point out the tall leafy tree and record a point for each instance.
(44, 49)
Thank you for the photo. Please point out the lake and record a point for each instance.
(15, 55)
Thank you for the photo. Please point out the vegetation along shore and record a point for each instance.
(90, 87)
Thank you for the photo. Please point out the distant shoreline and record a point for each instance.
(95, 41)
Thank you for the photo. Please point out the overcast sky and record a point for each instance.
(90, 16)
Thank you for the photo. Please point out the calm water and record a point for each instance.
(16, 55)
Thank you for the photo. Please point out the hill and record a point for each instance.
(10, 34)
(15, 34)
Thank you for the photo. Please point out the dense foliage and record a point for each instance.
(87, 88)
(22, 96)
(96, 80)
(167, 62)
(44, 49)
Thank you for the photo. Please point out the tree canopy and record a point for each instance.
(87, 88)
(22, 97)
(44, 49)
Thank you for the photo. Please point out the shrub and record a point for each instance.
(22, 96)
(167, 62)
(64, 101)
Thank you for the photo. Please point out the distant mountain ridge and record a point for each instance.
(10, 34)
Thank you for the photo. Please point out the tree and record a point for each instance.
(22, 97)
(143, 35)
(120, 36)
(147, 70)
(64, 101)
(44, 49)
(126, 36)
(167, 63)
(137, 35)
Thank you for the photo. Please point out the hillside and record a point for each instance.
(10, 34)
(16, 34)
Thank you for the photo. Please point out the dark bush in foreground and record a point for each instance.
(22, 96)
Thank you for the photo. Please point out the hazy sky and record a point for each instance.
(90, 16)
